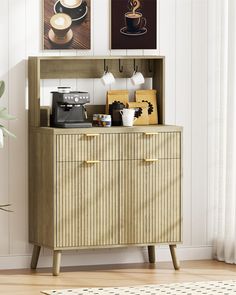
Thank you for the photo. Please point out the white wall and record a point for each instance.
(186, 32)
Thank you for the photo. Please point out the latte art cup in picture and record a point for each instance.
(60, 24)
(71, 4)
(60, 32)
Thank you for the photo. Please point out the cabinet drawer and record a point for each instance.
(163, 145)
(85, 147)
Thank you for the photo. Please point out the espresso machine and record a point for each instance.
(68, 110)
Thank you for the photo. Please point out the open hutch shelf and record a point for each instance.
(92, 68)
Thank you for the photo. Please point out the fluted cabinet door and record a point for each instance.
(87, 204)
(150, 201)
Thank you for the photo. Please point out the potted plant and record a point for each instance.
(4, 132)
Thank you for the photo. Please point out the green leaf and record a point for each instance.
(2, 88)
(4, 208)
(4, 115)
(7, 132)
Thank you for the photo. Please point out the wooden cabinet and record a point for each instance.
(105, 187)
(121, 188)
(102, 187)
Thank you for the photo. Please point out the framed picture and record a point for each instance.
(66, 24)
(133, 24)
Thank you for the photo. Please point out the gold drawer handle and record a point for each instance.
(151, 160)
(151, 133)
(92, 134)
(92, 162)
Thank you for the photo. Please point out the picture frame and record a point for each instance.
(133, 24)
(66, 24)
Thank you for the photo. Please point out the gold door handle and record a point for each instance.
(151, 160)
(92, 134)
(151, 133)
(92, 162)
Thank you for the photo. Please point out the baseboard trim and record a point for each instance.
(109, 256)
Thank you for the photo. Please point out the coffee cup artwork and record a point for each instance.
(66, 24)
(60, 33)
(71, 4)
(133, 24)
(134, 20)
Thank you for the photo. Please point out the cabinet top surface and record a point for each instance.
(94, 57)
(118, 129)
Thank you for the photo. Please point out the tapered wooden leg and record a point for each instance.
(175, 260)
(35, 257)
(56, 262)
(151, 254)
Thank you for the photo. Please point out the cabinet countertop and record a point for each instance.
(113, 129)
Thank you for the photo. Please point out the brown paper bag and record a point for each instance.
(149, 96)
(141, 112)
(116, 95)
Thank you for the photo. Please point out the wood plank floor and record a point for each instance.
(27, 282)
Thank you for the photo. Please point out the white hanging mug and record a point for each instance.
(137, 78)
(128, 117)
(107, 78)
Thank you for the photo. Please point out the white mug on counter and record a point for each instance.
(128, 117)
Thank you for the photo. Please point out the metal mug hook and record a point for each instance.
(135, 67)
(105, 67)
(149, 66)
(121, 68)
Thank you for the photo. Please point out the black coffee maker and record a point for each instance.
(68, 110)
(114, 111)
